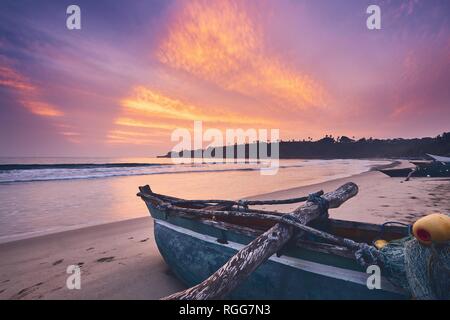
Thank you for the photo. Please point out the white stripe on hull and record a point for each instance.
(300, 264)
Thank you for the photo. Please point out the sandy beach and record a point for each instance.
(120, 260)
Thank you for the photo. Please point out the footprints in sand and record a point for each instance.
(56, 289)
(24, 292)
(101, 260)
(3, 282)
(106, 259)
(94, 259)
(58, 262)
(143, 240)
(113, 258)
(91, 259)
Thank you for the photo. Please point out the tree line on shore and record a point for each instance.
(339, 148)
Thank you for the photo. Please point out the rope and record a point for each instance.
(241, 205)
(244, 202)
(321, 202)
(367, 255)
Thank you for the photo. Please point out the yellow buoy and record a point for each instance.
(380, 243)
(433, 228)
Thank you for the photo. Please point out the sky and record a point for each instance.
(138, 70)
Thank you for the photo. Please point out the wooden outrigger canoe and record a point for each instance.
(439, 167)
(421, 170)
(195, 247)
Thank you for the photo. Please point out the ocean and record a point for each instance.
(45, 195)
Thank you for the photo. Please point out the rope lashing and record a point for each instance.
(242, 205)
(367, 255)
(321, 202)
(288, 219)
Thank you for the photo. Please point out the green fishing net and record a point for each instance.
(424, 271)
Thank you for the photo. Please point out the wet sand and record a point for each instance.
(120, 260)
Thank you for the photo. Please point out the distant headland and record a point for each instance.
(342, 147)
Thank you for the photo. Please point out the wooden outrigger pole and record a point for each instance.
(249, 258)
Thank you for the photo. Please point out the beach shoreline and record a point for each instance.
(35, 208)
(120, 260)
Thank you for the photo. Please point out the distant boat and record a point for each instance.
(439, 158)
(437, 168)
(195, 247)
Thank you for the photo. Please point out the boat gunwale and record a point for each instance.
(298, 242)
(339, 223)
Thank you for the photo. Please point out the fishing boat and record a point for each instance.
(439, 158)
(421, 170)
(195, 240)
(438, 167)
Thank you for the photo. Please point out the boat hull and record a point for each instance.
(194, 256)
(422, 170)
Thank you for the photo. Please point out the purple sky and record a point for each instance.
(135, 72)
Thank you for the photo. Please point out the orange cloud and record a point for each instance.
(12, 79)
(219, 42)
(42, 109)
(129, 122)
(28, 95)
(124, 133)
(70, 134)
(113, 139)
(149, 102)
(131, 137)
(27, 92)
(155, 114)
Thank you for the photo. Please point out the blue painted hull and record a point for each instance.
(193, 257)
(195, 250)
